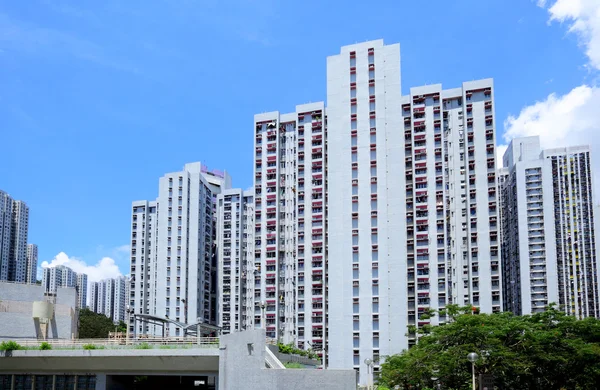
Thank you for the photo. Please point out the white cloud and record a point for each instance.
(103, 269)
(583, 17)
(573, 118)
(567, 120)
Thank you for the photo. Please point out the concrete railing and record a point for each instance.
(139, 343)
(271, 360)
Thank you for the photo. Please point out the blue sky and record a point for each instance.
(100, 99)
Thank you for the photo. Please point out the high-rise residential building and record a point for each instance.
(109, 297)
(412, 218)
(290, 225)
(173, 267)
(235, 254)
(548, 229)
(62, 276)
(96, 298)
(414, 223)
(143, 266)
(81, 285)
(14, 226)
(367, 241)
(32, 261)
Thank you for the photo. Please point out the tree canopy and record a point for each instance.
(547, 350)
(93, 325)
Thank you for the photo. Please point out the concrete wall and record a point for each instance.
(242, 365)
(16, 307)
(287, 358)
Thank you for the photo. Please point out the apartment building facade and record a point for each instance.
(413, 221)
(416, 209)
(109, 297)
(367, 272)
(290, 225)
(62, 276)
(174, 268)
(32, 262)
(14, 227)
(235, 254)
(548, 229)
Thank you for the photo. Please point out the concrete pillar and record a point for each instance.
(100, 381)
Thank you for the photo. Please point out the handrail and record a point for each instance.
(187, 342)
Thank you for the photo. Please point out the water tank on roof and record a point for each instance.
(43, 309)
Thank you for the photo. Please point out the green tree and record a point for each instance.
(93, 325)
(549, 350)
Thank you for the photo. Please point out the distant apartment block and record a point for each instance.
(173, 263)
(235, 254)
(109, 297)
(32, 262)
(549, 252)
(14, 225)
(62, 276)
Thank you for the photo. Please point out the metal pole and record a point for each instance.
(473, 369)
(128, 325)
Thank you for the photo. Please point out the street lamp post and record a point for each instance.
(263, 306)
(128, 310)
(369, 363)
(473, 358)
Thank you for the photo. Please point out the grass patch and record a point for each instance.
(293, 365)
(143, 346)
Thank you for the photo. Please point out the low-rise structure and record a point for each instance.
(28, 311)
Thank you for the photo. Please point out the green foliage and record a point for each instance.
(92, 346)
(143, 346)
(548, 350)
(94, 326)
(9, 346)
(293, 365)
(122, 327)
(290, 349)
(45, 346)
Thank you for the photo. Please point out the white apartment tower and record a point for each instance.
(367, 255)
(414, 223)
(235, 254)
(549, 246)
(81, 286)
(174, 272)
(61, 276)
(143, 266)
(14, 225)
(32, 261)
(290, 233)
(108, 297)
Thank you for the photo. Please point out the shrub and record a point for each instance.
(9, 346)
(143, 346)
(92, 346)
(45, 346)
